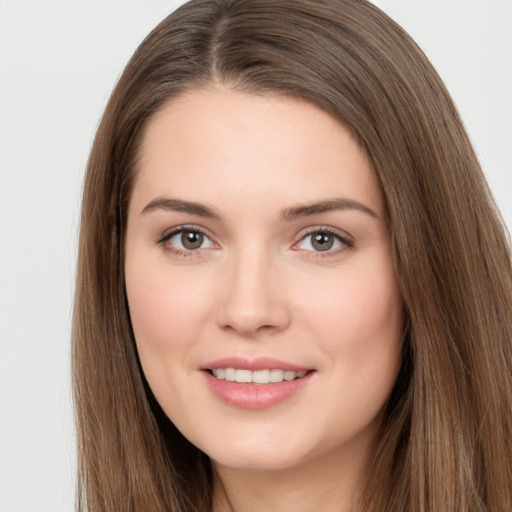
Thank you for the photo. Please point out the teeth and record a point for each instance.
(229, 374)
(243, 376)
(256, 377)
(261, 377)
(276, 375)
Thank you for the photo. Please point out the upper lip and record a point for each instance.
(260, 363)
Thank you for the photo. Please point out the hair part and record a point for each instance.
(446, 440)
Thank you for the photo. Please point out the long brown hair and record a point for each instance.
(446, 442)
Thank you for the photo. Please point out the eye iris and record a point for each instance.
(322, 241)
(192, 239)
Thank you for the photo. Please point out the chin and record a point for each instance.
(259, 454)
(285, 459)
(257, 461)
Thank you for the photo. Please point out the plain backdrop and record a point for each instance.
(58, 63)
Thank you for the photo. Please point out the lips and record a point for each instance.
(260, 363)
(255, 384)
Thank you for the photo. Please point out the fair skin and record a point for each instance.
(256, 230)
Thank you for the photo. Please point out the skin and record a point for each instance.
(257, 286)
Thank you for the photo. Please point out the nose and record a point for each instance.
(253, 297)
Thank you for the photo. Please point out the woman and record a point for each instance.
(293, 285)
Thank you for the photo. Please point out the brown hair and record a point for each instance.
(446, 440)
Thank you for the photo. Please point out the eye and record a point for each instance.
(323, 240)
(189, 240)
(186, 240)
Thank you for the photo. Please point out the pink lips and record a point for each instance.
(251, 396)
(261, 363)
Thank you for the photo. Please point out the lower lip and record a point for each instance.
(255, 396)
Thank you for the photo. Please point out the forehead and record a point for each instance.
(216, 143)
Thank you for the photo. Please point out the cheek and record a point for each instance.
(167, 315)
(162, 303)
(167, 321)
(358, 320)
(373, 311)
(359, 330)
(362, 300)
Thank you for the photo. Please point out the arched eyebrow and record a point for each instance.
(179, 205)
(306, 210)
(289, 214)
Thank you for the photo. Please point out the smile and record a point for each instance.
(257, 384)
(269, 376)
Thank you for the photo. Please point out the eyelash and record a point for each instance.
(180, 252)
(346, 242)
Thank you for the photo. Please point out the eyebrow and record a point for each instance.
(289, 214)
(178, 205)
(306, 210)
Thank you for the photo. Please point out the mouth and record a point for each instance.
(257, 377)
(256, 383)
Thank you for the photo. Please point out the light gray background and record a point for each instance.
(58, 62)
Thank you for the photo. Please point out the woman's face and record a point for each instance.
(257, 250)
